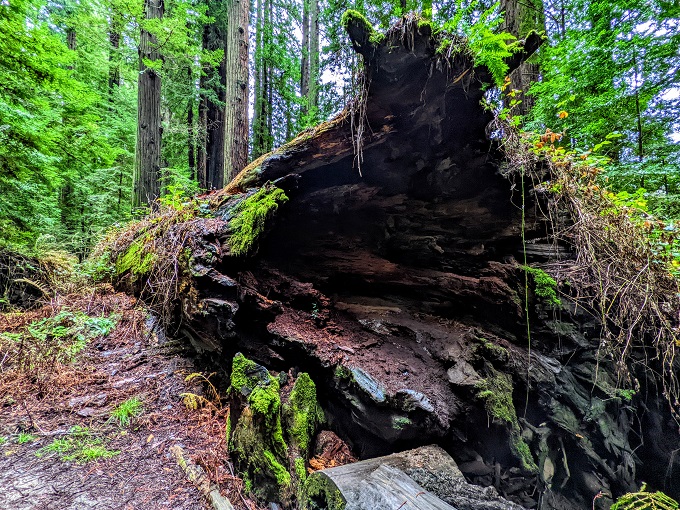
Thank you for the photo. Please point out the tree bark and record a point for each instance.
(114, 45)
(313, 92)
(236, 85)
(521, 17)
(304, 65)
(211, 174)
(191, 139)
(258, 114)
(149, 129)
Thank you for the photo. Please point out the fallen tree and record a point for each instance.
(383, 253)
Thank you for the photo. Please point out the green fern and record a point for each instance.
(644, 500)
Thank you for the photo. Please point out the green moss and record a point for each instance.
(241, 367)
(401, 422)
(521, 450)
(135, 260)
(491, 351)
(247, 483)
(280, 473)
(545, 286)
(352, 17)
(300, 469)
(250, 216)
(342, 373)
(321, 493)
(265, 399)
(496, 392)
(227, 428)
(304, 412)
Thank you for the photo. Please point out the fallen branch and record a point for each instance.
(200, 479)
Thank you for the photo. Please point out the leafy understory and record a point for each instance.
(57, 339)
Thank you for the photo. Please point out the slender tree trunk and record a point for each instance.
(191, 138)
(521, 17)
(304, 65)
(638, 114)
(71, 38)
(211, 166)
(313, 93)
(149, 130)
(236, 73)
(258, 132)
(201, 163)
(114, 45)
(269, 90)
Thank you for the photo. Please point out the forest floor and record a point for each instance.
(87, 420)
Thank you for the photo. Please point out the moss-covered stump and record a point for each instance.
(274, 427)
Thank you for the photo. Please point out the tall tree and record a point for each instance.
(115, 28)
(149, 128)
(262, 107)
(520, 18)
(236, 89)
(212, 107)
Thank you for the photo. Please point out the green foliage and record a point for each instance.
(545, 286)
(57, 339)
(644, 500)
(25, 437)
(615, 72)
(57, 148)
(98, 268)
(80, 446)
(125, 412)
(250, 216)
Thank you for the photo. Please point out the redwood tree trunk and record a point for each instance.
(304, 64)
(236, 89)
(211, 176)
(521, 17)
(313, 92)
(114, 45)
(258, 118)
(149, 130)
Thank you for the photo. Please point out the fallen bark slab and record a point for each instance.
(426, 478)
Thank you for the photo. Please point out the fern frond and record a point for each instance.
(194, 402)
(645, 501)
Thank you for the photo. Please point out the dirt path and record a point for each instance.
(42, 403)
